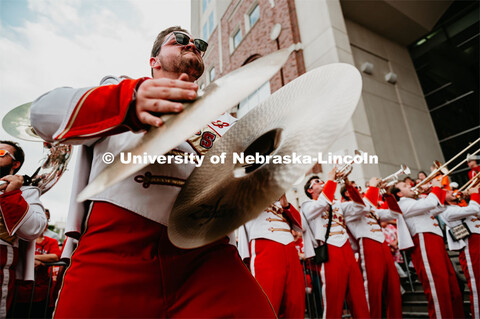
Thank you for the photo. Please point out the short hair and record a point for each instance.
(18, 153)
(157, 45)
(422, 173)
(343, 192)
(307, 185)
(394, 191)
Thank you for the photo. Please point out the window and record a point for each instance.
(237, 38)
(205, 30)
(210, 24)
(254, 15)
(211, 74)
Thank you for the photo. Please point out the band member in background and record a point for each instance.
(124, 251)
(469, 247)
(268, 243)
(22, 219)
(381, 280)
(429, 255)
(31, 297)
(340, 275)
(474, 167)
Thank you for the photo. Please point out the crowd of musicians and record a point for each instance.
(360, 266)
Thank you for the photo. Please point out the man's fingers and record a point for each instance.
(149, 119)
(169, 93)
(162, 106)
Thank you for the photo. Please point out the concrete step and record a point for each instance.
(415, 315)
(415, 306)
(414, 296)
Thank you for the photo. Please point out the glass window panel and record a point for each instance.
(237, 38)
(254, 15)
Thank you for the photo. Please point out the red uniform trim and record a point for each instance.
(13, 208)
(355, 195)
(292, 215)
(475, 197)
(103, 109)
(437, 191)
(392, 203)
(329, 190)
(372, 195)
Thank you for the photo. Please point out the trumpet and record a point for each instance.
(345, 169)
(392, 179)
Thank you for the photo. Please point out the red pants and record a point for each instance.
(341, 278)
(125, 266)
(8, 260)
(470, 261)
(278, 270)
(380, 278)
(435, 271)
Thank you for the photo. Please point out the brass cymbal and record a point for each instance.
(303, 117)
(17, 124)
(219, 97)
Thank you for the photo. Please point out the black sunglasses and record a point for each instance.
(183, 39)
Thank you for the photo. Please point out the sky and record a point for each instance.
(45, 44)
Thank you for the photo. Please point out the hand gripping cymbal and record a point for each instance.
(303, 117)
(219, 97)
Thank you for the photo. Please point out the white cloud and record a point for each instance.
(75, 43)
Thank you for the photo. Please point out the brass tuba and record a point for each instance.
(17, 124)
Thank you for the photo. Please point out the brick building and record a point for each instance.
(397, 116)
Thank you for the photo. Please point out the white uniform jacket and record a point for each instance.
(25, 228)
(454, 215)
(315, 214)
(366, 224)
(420, 214)
(268, 225)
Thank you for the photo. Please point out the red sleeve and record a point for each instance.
(475, 197)
(52, 246)
(329, 190)
(13, 208)
(104, 110)
(440, 193)
(372, 195)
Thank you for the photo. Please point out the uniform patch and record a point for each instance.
(220, 124)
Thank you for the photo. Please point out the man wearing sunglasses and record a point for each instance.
(340, 276)
(22, 219)
(125, 265)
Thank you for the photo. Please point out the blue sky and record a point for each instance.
(46, 44)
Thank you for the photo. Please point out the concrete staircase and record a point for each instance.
(415, 304)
